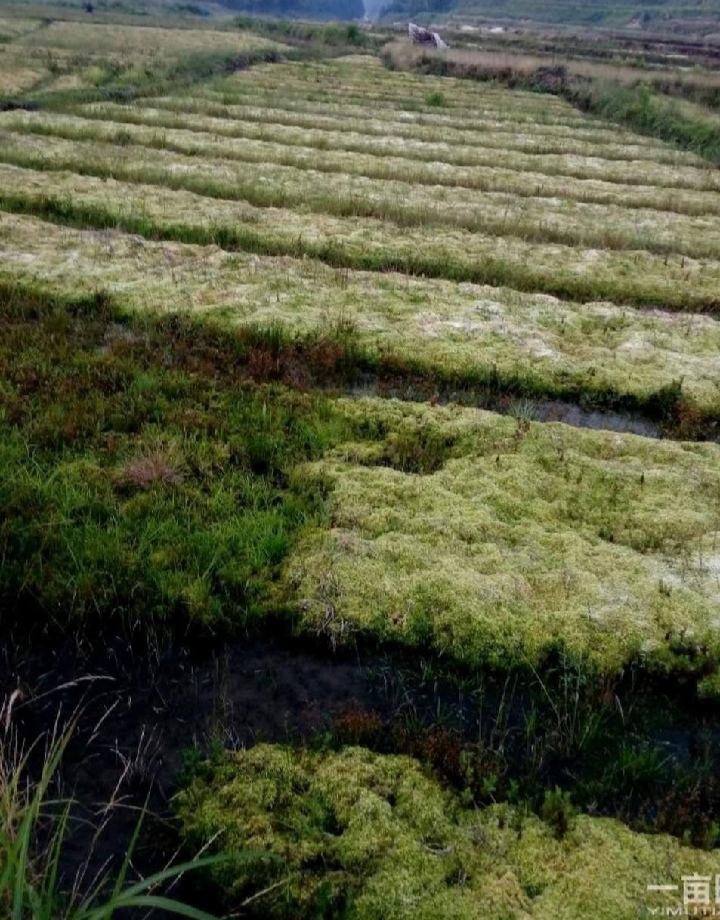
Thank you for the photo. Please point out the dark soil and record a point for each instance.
(134, 732)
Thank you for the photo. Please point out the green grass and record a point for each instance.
(651, 113)
(35, 828)
(350, 36)
(142, 483)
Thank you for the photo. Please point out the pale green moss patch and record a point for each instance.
(451, 328)
(369, 836)
(605, 226)
(491, 539)
(346, 152)
(610, 275)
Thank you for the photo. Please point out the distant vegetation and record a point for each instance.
(301, 9)
(666, 14)
(334, 35)
(659, 104)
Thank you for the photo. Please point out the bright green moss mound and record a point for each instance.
(495, 539)
(363, 835)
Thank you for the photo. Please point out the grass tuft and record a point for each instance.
(34, 830)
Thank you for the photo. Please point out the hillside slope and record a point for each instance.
(700, 16)
(300, 9)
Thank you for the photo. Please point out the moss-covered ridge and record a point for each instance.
(495, 540)
(448, 337)
(362, 835)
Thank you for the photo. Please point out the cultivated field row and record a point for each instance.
(42, 55)
(226, 139)
(427, 130)
(444, 155)
(474, 119)
(485, 131)
(631, 277)
(470, 114)
(461, 330)
(365, 76)
(12, 28)
(405, 204)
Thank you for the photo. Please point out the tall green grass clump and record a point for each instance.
(649, 112)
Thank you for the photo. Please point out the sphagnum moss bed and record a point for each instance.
(147, 480)
(360, 835)
(633, 277)
(488, 539)
(344, 152)
(466, 332)
(459, 162)
(152, 493)
(401, 200)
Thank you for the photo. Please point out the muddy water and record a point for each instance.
(556, 411)
(538, 410)
(132, 734)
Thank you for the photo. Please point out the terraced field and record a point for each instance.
(312, 238)
(547, 279)
(284, 177)
(42, 54)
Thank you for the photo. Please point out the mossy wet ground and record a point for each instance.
(514, 606)
(153, 491)
(446, 336)
(357, 834)
(630, 756)
(492, 539)
(113, 425)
